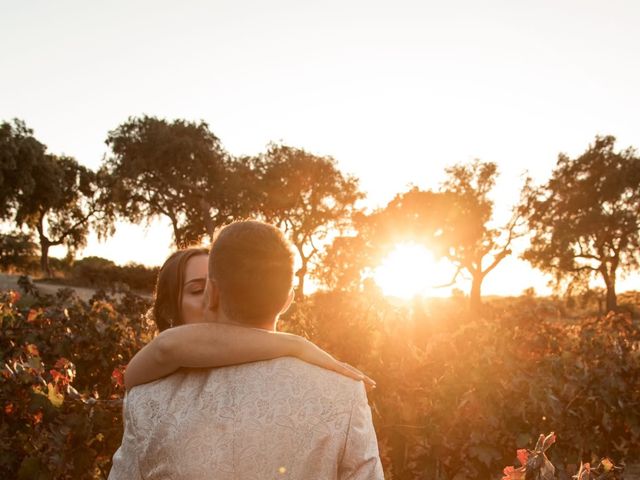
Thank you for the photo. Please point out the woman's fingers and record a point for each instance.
(344, 369)
(313, 354)
(351, 372)
(358, 375)
(370, 382)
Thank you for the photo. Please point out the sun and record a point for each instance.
(411, 270)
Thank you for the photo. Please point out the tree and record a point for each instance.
(174, 169)
(307, 196)
(347, 262)
(471, 243)
(20, 153)
(453, 223)
(342, 264)
(52, 196)
(584, 220)
(66, 201)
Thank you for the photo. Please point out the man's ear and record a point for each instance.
(288, 303)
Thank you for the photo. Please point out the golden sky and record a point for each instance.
(395, 91)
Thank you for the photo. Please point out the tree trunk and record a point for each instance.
(45, 243)
(44, 257)
(609, 276)
(302, 272)
(299, 294)
(475, 297)
(612, 299)
(209, 224)
(176, 232)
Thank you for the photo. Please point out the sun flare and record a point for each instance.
(411, 270)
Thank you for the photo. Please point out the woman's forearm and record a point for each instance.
(150, 363)
(218, 345)
(207, 345)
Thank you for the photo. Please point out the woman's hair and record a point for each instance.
(167, 298)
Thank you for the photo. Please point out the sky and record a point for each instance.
(394, 91)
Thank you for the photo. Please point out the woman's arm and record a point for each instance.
(217, 345)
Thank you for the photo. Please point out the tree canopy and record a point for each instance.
(176, 169)
(305, 195)
(454, 222)
(470, 240)
(65, 203)
(344, 263)
(20, 154)
(52, 196)
(585, 219)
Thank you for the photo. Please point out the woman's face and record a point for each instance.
(195, 279)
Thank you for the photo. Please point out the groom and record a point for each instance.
(277, 419)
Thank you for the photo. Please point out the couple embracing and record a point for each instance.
(281, 408)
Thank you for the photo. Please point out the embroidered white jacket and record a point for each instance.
(278, 419)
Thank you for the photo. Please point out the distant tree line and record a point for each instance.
(583, 222)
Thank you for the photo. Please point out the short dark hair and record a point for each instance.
(167, 298)
(252, 264)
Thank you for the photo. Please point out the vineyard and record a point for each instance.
(458, 396)
(458, 184)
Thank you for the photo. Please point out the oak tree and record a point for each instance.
(454, 223)
(176, 169)
(53, 197)
(20, 153)
(469, 239)
(585, 219)
(65, 203)
(307, 196)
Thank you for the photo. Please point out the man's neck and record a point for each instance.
(267, 326)
(220, 317)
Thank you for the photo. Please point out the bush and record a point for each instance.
(138, 277)
(61, 384)
(18, 253)
(93, 271)
(456, 395)
(99, 272)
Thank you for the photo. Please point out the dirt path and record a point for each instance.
(10, 282)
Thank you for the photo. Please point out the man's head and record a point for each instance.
(250, 273)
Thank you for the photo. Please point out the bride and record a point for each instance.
(185, 340)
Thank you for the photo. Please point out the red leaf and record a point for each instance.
(62, 363)
(118, 377)
(548, 441)
(512, 473)
(523, 456)
(14, 297)
(37, 417)
(56, 375)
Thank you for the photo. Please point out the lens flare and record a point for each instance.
(411, 270)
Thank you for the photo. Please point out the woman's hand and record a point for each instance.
(311, 353)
